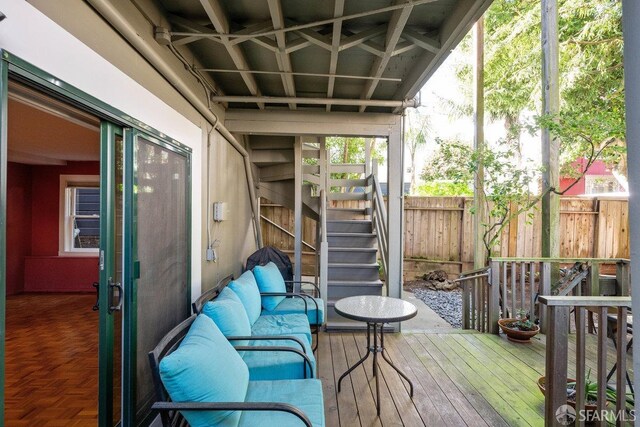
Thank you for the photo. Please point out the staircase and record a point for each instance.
(353, 267)
(351, 264)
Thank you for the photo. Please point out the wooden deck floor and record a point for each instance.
(459, 379)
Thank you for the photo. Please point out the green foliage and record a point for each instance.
(444, 188)
(591, 74)
(507, 182)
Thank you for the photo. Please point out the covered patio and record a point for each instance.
(264, 86)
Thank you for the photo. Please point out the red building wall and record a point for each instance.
(33, 206)
(597, 168)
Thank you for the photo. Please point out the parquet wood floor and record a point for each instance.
(51, 360)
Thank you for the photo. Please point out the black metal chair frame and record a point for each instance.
(213, 293)
(169, 411)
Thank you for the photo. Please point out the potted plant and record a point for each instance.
(519, 329)
(591, 395)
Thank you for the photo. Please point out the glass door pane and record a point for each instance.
(158, 293)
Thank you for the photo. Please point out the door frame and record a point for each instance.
(12, 66)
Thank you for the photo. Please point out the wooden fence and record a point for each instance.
(439, 232)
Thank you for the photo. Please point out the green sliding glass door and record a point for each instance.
(145, 265)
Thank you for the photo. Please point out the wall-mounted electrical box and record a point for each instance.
(219, 209)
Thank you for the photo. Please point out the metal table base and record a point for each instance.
(375, 349)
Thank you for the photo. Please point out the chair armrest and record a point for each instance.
(307, 360)
(233, 406)
(304, 297)
(306, 282)
(269, 338)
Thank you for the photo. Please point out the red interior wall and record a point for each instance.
(33, 222)
(18, 224)
(46, 200)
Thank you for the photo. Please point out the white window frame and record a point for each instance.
(67, 183)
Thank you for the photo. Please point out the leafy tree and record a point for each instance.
(591, 84)
(419, 124)
(352, 150)
(507, 181)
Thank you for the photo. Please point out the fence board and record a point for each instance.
(439, 231)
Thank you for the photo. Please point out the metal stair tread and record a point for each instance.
(340, 249)
(354, 282)
(347, 234)
(353, 265)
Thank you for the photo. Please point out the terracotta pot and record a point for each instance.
(589, 407)
(516, 335)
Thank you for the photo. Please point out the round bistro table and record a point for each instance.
(376, 311)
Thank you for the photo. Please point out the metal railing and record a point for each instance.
(612, 324)
(379, 220)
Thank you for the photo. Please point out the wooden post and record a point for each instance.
(550, 145)
(593, 280)
(545, 289)
(631, 31)
(556, 363)
(394, 213)
(494, 298)
(297, 211)
(622, 278)
(479, 249)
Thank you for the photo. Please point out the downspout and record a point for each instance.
(120, 23)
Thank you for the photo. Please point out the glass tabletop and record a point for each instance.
(375, 309)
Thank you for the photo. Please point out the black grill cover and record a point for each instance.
(279, 258)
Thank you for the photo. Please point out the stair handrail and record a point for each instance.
(323, 272)
(379, 219)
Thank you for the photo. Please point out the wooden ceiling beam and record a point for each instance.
(216, 14)
(338, 10)
(395, 27)
(282, 57)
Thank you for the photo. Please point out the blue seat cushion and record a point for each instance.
(280, 324)
(305, 395)
(276, 365)
(205, 368)
(269, 279)
(229, 315)
(296, 305)
(247, 290)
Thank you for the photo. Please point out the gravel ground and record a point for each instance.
(448, 304)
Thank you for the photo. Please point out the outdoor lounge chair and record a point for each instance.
(289, 334)
(289, 359)
(198, 375)
(276, 300)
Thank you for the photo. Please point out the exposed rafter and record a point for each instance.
(394, 32)
(214, 11)
(338, 10)
(282, 57)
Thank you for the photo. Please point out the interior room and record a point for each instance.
(53, 234)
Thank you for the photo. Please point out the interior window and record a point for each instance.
(80, 221)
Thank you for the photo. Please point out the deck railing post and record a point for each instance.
(494, 298)
(545, 289)
(556, 363)
(622, 278)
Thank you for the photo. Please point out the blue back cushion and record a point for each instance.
(205, 368)
(229, 315)
(247, 290)
(269, 279)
